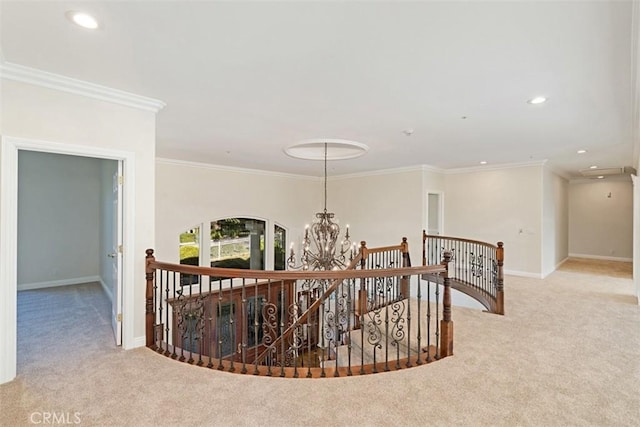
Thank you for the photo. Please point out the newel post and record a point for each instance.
(500, 281)
(446, 324)
(406, 262)
(424, 247)
(149, 312)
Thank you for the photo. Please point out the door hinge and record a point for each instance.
(119, 317)
(120, 179)
(120, 249)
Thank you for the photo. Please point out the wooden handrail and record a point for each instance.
(238, 273)
(492, 298)
(458, 239)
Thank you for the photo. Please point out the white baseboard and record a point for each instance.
(106, 290)
(523, 274)
(561, 262)
(600, 257)
(139, 342)
(547, 274)
(54, 283)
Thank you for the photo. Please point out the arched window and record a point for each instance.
(250, 243)
(238, 243)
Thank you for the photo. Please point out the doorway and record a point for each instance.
(9, 243)
(68, 224)
(435, 212)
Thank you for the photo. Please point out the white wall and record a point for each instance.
(189, 194)
(601, 219)
(555, 221)
(499, 205)
(383, 208)
(58, 119)
(58, 219)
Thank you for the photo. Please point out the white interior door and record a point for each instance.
(116, 256)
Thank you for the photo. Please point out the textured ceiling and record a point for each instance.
(243, 80)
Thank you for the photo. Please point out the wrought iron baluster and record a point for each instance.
(174, 355)
(211, 310)
(350, 287)
(201, 323)
(244, 325)
(323, 346)
(164, 277)
(188, 326)
(363, 309)
(386, 332)
(232, 326)
(283, 357)
(408, 298)
(437, 355)
(419, 332)
(397, 330)
(429, 358)
(219, 321)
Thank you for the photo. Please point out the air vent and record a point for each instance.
(592, 173)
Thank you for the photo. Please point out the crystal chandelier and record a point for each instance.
(320, 247)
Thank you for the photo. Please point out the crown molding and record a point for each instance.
(233, 169)
(20, 73)
(392, 171)
(486, 168)
(559, 172)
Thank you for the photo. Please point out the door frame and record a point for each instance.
(440, 210)
(116, 235)
(9, 238)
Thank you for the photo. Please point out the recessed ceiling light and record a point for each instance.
(537, 100)
(600, 177)
(483, 162)
(593, 167)
(582, 151)
(408, 132)
(82, 19)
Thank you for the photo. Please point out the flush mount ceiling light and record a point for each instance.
(336, 149)
(82, 19)
(537, 100)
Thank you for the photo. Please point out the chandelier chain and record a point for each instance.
(325, 177)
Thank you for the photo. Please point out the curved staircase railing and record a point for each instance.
(376, 316)
(476, 268)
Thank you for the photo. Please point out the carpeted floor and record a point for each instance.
(567, 353)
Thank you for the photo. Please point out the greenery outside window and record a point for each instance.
(279, 248)
(238, 243)
(233, 243)
(190, 253)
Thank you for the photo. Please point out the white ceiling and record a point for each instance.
(243, 80)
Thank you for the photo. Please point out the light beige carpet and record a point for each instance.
(567, 353)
